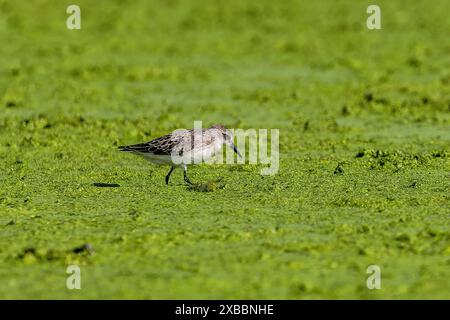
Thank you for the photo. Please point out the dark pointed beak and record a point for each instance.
(235, 149)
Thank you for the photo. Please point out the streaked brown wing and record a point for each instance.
(159, 146)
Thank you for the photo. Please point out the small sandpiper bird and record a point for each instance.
(184, 147)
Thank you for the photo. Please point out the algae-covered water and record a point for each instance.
(364, 123)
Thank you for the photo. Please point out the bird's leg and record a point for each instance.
(185, 175)
(168, 175)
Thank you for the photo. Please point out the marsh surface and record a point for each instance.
(364, 121)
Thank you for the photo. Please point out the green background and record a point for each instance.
(364, 120)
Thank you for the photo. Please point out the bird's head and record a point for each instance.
(227, 136)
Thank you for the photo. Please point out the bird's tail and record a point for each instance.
(125, 148)
(138, 148)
